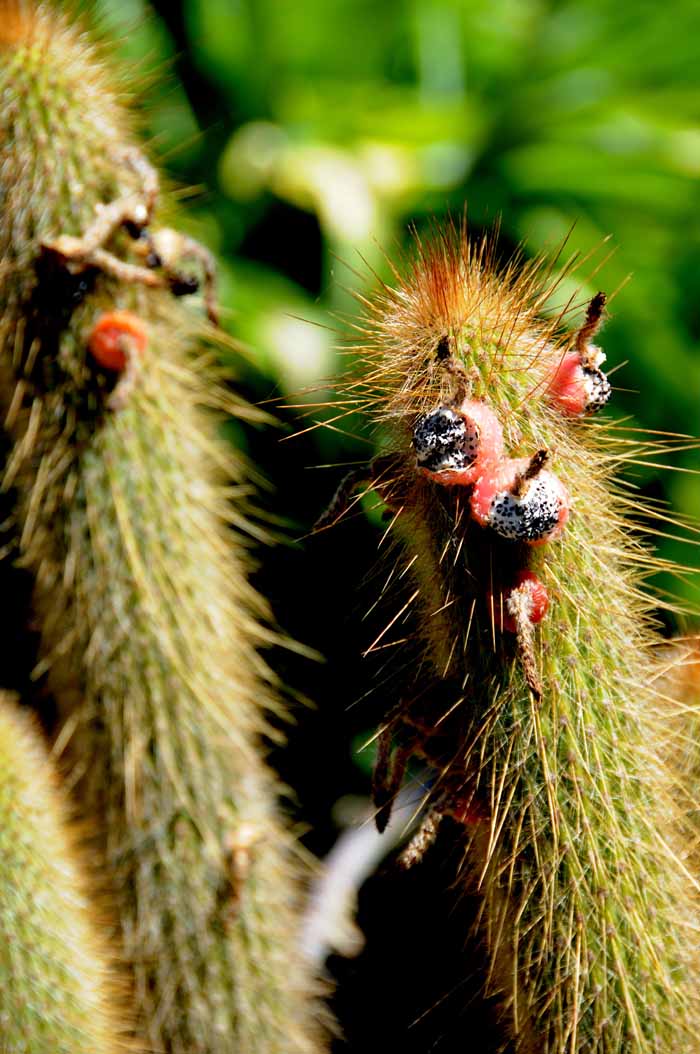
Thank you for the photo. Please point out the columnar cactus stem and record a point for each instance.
(125, 513)
(59, 992)
(677, 681)
(544, 740)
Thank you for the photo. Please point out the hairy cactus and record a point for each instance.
(131, 516)
(58, 989)
(677, 682)
(542, 726)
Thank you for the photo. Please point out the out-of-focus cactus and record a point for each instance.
(132, 518)
(59, 992)
(542, 727)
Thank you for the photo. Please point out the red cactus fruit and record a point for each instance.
(579, 387)
(115, 337)
(521, 501)
(527, 592)
(456, 446)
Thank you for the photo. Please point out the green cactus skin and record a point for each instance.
(677, 679)
(58, 988)
(149, 627)
(564, 806)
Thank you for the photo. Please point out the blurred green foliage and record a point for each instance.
(316, 131)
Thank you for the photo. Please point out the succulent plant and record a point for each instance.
(544, 742)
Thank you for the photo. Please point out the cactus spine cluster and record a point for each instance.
(545, 743)
(58, 989)
(132, 518)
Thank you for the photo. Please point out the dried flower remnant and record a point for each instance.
(579, 386)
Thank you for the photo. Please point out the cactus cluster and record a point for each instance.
(132, 517)
(536, 701)
(545, 740)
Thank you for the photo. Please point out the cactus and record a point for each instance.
(543, 735)
(132, 517)
(677, 683)
(59, 992)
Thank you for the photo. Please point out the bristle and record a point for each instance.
(132, 521)
(582, 874)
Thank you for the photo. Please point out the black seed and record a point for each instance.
(444, 440)
(598, 389)
(528, 518)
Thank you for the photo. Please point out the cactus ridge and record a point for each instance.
(133, 518)
(565, 805)
(59, 992)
